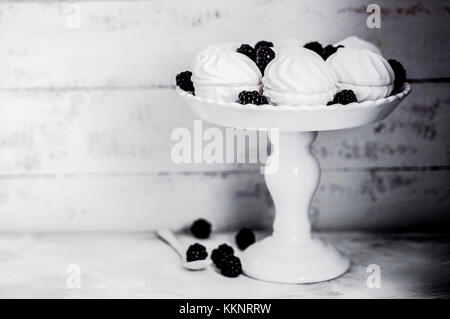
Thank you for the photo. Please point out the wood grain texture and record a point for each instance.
(140, 266)
(63, 132)
(344, 200)
(145, 43)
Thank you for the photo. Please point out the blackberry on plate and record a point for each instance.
(263, 44)
(344, 97)
(247, 50)
(252, 97)
(220, 253)
(184, 81)
(201, 228)
(231, 266)
(263, 100)
(314, 46)
(399, 72)
(263, 56)
(244, 238)
(196, 252)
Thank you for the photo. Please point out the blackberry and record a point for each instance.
(263, 100)
(231, 266)
(244, 238)
(263, 56)
(196, 252)
(184, 81)
(247, 50)
(329, 50)
(248, 97)
(220, 253)
(201, 229)
(314, 46)
(252, 97)
(399, 72)
(263, 44)
(344, 97)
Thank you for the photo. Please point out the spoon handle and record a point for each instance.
(166, 235)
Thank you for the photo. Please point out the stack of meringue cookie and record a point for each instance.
(287, 73)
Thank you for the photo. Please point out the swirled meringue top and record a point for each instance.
(224, 67)
(298, 71)
(360, 67)
(358, 43)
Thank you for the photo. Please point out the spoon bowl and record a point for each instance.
(197, 264)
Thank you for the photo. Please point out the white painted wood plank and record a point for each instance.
(382, 201)
(141, 266)
(129, 203)
(129, 131)
(344, 200)
(145, 43)
(93, 132)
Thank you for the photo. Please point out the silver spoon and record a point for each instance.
(166, 235)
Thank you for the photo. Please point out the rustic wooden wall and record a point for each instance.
(86, 115)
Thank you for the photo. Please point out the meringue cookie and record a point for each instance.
(364, 72)
(299, 77)
(358, 43)
(220, 73)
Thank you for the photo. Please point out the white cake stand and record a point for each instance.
(291, 254)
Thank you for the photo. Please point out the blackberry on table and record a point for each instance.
(252, 97)
(218, 254)
(247, 50)
(399, 72)
(263, 44)
(244, 238)
(184, 82)
(263, 56)
(231, 266)
(344, 97)
(201, 228)
(196, 252)
(314, 46)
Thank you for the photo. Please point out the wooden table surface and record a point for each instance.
(141, 266)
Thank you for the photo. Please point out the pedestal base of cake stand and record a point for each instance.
(293, 262)
(291, 254)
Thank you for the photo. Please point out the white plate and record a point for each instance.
(294, 118)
